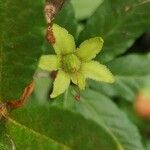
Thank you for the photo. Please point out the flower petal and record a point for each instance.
(64, 42)
(90, 48)
(49, 62)
(78, 79)
(97, 71)
(61, 83)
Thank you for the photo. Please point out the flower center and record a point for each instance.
(71, 63)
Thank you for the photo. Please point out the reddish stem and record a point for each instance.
(23, 99)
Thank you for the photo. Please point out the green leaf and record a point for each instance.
(47, 127)
(85, 8)
(131, 72)
(148, 145)
(24, 136)
(102, 110)
(21, 41)
(66, 19)
(6, 142)
(99, 108)
(119, 23)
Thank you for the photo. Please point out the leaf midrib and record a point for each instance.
(36, 133)
(120, 147)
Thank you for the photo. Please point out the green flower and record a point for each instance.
(74, 64)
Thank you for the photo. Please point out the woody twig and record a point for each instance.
(51, 8)
(23, 99)
(14, 104)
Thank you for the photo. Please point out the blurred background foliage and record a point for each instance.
(107, 116)
(85, 8)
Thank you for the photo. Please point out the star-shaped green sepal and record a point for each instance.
(74, 64)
